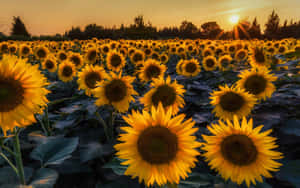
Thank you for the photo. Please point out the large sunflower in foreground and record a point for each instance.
(66, 71)
(151, 69)
(240, 152)
(116, 91)
(230, 101)
(257, 82)
(22, 93)
(165, 92)
(89, 76)
(115, 61)
(157, 147)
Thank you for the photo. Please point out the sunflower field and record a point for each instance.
(150, 113)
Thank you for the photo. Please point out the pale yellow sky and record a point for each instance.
(56, 16)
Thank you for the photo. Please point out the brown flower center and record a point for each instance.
(255, 84)
(116, 90)
(153, 71)
(164, 94)
(239, 150)
(11, 94)
(91, 79)
(67, 71)
(157, 145)
(115, 60)
(190, 67)
(231, 101)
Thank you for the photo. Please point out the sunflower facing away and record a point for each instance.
(158, 148)
(22, 93)
(115, 61)
(151, 69)
(230, 101)
(258, 82)
(165, 92)
(116, 91)
(190, 68)
(89, 76)
(66, 71)
(240, 152)
(259, 57)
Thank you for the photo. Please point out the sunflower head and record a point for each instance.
(165, 92)
(151, 69)
(210, 63)
(257, 82)
(157, 143)
(62, 55)
(41, 52)
(116, 91)
(50, 64)
(259, 57)
(241, 55)
(190, 68)
(91, 55)
(137, 56)
(25, 50)
(241, 150)
(89, 77)
(22, 93)
(66, 71)
(225, 62)
(115, 61)
(232, 101)
(76, 59)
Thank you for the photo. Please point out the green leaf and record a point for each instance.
(290, 171)
(94, 150)
(44, 178)
(116, 166)
(292, 127)
(8, 175)
(196, 180)
(54, 151)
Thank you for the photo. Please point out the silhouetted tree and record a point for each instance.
(188, 30)
(211, 30)
(272, 26)
(75, 33)
(254, 30)
(18, 27)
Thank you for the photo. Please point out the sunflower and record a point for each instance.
(209, 63)
(88, 78)
(190, 68)
(151, 69)
(91, 55)
(25, 50)
(22, 93)
(240, 152)
(13, 49)
(137, 56)
(207, 52)
(115, 61)
(257, 82)
(259, 57)
(164, 58)
(50, 64)
(225, 62)
(116, 91)
(232, 101)
(179, 66)
(41, 52)
(62, 55)
(158, 148)
(241, 55)
(169, 94)
(76, 59)
(4, 48)
(66, 71)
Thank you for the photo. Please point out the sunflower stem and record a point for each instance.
(105, 127)
(9, 162)
(8, 150)
(18, 158)
(112, 121)
(47, 122)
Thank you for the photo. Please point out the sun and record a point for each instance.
(234, 19)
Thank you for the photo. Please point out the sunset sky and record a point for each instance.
(56, 16)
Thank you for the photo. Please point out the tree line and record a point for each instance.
(187, 30)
